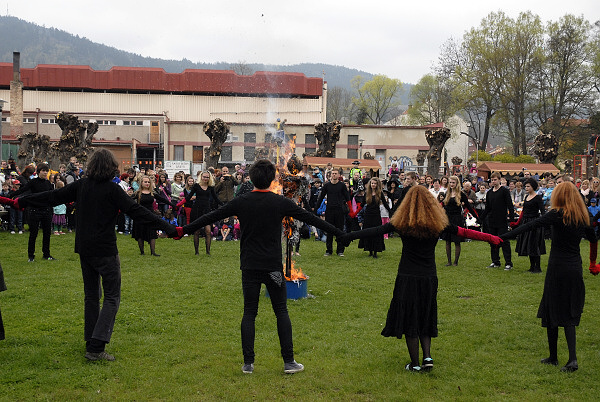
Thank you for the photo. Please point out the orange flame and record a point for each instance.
(297, 273)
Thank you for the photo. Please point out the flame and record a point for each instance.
(297, 274)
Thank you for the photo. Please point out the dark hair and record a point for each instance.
(532, 183)
(42, 166)
(102, 165)
(262, 173)
(28, 171)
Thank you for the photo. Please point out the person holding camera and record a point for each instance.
(225, 188)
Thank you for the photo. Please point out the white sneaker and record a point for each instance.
(12, 232)
(293, 367)
(20, 232)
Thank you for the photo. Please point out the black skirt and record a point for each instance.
(531, 243)
(144, 232)
(413, 309)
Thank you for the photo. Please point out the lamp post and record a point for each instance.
(475, 141)
(360, 143)
(2, 102)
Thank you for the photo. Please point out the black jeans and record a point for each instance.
(495, 251)
(37, 216)
(99, 323)
(275, 283)
(336, 218)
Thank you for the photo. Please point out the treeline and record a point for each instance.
(516, 78)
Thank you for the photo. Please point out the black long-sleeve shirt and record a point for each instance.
(337, 194)
(34, 186)
(98, 204)
(260, 214)
(498, 207)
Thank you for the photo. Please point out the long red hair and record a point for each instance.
(566, 198)
(420, 215)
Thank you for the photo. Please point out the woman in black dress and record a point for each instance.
(371, 213)
(454, 205)
(531, 243)
(146, 197)
(413, 310)
(564, 290)
(204, 197)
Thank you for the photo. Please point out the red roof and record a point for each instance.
(515, 168)
(47, 76)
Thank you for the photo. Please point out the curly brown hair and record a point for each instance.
(420, 215)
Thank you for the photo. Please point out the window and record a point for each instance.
(226, 154)
(28, 119)
(133, 123)
(352, 152)
(310, 143)
(5, 119)
(85, 121)
(178, 152)
(197, 154)
(268, 138)
(107, 122)
(249, 150)
(48, 121)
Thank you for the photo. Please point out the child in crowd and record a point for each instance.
(225, 230)
(593, 210)
(170, 217)
(127, 218)
(236, 229)
(15, 221)
(59, 218)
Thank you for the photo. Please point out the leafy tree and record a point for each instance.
(377, 97)
(431, 100)
(565, 87)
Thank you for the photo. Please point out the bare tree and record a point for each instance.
(242, 68)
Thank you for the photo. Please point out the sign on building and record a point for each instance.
(172, 167)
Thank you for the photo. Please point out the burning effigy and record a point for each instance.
(291, 183)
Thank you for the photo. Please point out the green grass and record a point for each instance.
(177, 333)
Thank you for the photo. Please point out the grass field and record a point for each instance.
(177, 333)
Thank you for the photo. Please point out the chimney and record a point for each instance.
(16, 98)
(16, 66)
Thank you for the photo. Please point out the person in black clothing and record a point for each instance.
(148, 198)
(260, 213)
(2, 289)
(564, 291)
(204, 197)
(454, 203)
(371, 211)
(99, 201)
(498, 208)
(531, 243)
(39, 215)
(335, 212)
(409, 181)
(413, 309)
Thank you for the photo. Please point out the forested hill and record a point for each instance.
(41, 45)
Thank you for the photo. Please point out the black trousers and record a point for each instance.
(99, 322)
(275, 283)
(37, 216)
(495, 251)
(337, 218)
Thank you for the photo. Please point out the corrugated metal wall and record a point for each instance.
(184, 108)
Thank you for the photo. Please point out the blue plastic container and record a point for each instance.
(295, 289)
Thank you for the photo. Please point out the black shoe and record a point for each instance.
(570, 366)
(49, 258)
(448, 264)
(548, 360)
(31, 259)
(99, 356)
(412, 367)
(427, 364)
(156, 255)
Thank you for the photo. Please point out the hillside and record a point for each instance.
(41, 45)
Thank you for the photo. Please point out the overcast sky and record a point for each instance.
(400, 39)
